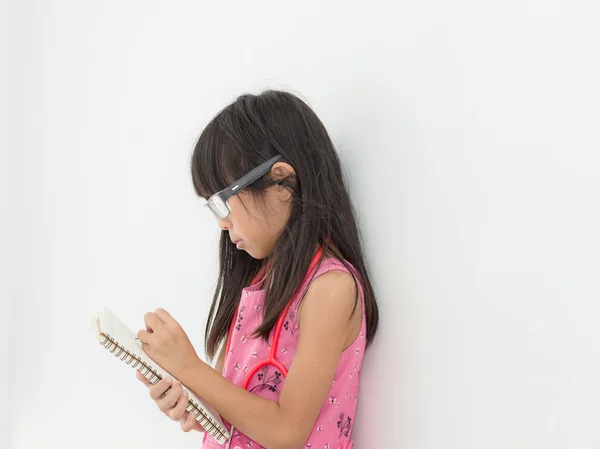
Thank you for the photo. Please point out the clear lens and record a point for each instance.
(218, 206)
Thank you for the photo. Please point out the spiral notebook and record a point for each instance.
(122, 343)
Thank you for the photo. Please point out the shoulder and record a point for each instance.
(331, 296)
(335, 282)
(334, 276)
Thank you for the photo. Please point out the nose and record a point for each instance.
(224, 223)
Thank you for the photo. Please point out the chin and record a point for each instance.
(257, 257)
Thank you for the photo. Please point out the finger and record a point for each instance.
(146, 348)
(141, 377)
(177, 412)
(157, 390)
(190, 423)
(164, 316)
(152, 321)
(182, 420)
(144, 336)
(168, 401)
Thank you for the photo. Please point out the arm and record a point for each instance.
(287, 423)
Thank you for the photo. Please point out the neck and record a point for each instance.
(268, 265)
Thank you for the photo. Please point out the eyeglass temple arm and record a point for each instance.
(253, 175)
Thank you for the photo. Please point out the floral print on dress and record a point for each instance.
(344, 425)
(240, 318)
(268, 380)
(291, 324)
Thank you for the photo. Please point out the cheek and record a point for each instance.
(253, 232)
(247, 221)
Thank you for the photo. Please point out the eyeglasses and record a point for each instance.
(218, 204)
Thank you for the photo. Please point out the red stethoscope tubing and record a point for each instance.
(272, 359)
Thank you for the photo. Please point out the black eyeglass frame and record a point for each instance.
(218, 202)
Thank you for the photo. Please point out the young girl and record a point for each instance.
(294, 309)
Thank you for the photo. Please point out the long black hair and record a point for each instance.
(241, 136)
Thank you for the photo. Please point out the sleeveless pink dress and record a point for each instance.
(333, 428)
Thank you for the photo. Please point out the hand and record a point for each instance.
(167, 344)
(173, 403)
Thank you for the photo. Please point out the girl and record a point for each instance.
(293, 309)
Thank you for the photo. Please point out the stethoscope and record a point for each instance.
(272, 359)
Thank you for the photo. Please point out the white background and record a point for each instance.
(469, 132)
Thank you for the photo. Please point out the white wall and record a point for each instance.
(470, 135)
(6, 220)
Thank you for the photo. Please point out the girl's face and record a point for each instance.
(256, 226)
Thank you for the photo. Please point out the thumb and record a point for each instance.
(187, 422)
(141, 377)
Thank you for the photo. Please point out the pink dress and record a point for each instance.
(333, 428)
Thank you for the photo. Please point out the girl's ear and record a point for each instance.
(281, 170)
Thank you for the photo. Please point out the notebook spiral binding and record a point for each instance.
(153, 376)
